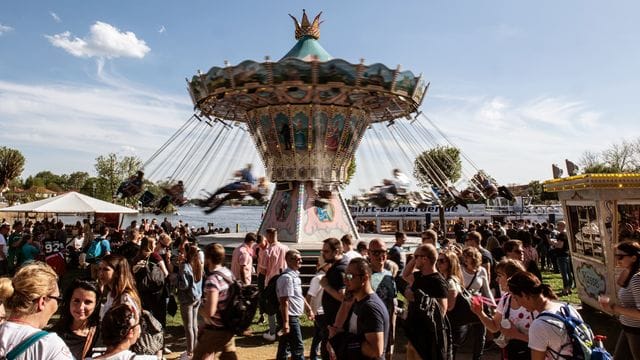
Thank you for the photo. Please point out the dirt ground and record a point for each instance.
(256, 348)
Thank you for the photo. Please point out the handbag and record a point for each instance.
(461, 313)
(151, 339)
(172, 306)
(516, 349)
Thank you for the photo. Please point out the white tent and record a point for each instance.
(70, 203)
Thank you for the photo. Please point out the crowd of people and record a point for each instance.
(446, 294)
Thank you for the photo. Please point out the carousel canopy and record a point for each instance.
(70, 203)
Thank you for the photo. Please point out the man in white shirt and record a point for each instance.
(347, 247)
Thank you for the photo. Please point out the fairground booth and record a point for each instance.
(600, 210)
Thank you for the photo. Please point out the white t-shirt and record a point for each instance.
(352, 254)
(3, 242)
(48, 347)
(129, 355)
(520, 317)
(316, 291)
(108, 304)
(547, 333)
(478, 283)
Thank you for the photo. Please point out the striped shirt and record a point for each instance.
(629, 297)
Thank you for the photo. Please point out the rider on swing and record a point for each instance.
(132, 186)
(245, 185)
(174, 195)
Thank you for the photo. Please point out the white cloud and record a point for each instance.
(78, 122)
(103, 41)
(515, 141)
(162, 29)
(5, 29)
(55, 17)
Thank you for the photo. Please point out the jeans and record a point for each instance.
(564, 265)
(189, 314)
(291, 342)
(320, 325)
(475, 333)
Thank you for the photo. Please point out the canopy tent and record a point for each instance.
(70, 203)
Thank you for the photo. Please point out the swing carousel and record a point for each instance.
(303, 117)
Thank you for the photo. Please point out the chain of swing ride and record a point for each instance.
(189, 153)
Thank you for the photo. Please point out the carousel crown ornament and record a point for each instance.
(307, 114)
(305, 28)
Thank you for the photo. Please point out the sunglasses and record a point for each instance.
(378, 252)
(350, 276)
(441, 260)
(621, 256)
(59, 299)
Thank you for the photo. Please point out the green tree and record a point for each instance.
(351, 170)
(113, 170)
(76, 180)
(621, 157)
(11, 166)
(438, 166)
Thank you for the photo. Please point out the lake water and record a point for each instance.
(246, 217)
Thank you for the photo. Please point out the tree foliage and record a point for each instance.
(11, 166)
(438, 166)
(621, 157)
(113, 170)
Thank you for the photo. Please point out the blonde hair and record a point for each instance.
(6, 289)
(31, 282)
(454, 265)
(474, 254)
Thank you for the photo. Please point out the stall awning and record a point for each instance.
(70, 203)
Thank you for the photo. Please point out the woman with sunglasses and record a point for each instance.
(510, 318)
(476, 280)
(79, 317)
(628, 257)
(114, 274)
(33, 300)
(121, 329)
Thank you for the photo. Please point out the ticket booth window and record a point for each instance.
(629, 221)
(389, 226)
(411, 226)
(585, 232)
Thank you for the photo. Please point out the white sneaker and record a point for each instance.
(269, 337)
(166, 350)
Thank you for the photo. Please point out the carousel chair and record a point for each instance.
(213, 202)
(173, 195)
(131, 187)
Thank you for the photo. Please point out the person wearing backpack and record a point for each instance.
(428, 332)
(35, 298)
(215, 339)
(150, 273)
(549, 336)
(190, 272)
(98, 248)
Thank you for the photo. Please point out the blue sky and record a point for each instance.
(517, 85)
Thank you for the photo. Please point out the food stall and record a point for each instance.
(600, 210)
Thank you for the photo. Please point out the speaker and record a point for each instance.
(552, 218)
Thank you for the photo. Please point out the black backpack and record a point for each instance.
(270, 296)
(149, 277)
(241, 305)
(428, 328)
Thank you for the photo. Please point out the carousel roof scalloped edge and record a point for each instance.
(399, 92)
